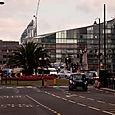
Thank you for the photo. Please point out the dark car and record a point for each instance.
(78, 80)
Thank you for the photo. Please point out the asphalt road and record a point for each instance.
(28, 100)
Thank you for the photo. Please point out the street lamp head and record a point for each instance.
(95, 23)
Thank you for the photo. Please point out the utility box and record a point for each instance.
(103, 75)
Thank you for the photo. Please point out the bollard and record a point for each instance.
(42, 81)
(45, 82)
(54, 81)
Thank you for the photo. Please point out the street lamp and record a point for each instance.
(105, 38)
(42, 61)
(95, 23)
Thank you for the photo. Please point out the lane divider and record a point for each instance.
(83, 105)
(55, 112)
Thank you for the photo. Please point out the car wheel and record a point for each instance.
(70, 88)
(85, 88)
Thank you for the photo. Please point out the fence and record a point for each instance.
(111, 82)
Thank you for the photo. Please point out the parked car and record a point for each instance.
(64, 74)
(52, 71)
(78, 80)
(92, 76)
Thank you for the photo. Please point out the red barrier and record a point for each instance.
(32, 77)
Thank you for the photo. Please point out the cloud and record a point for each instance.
(53, 15)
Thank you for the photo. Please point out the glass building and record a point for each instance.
(83, 42)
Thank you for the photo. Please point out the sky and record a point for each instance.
(53, 15)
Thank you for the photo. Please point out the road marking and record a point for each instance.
(91, 99)
(42, 105)
(9, 87)
(68, 96)
(53, 94)
(108, 112)
(111, 104)
(64, 99)
(29, 86)
(72, 101)
(101, 101)
(82, 97)
(16, 105)
(71, 95)
(81, 104)
(57, 96)
(20, 87)
(12, 105)
(19, 105)
(94, 108)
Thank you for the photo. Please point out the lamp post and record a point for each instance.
(95, 23)
(104, 39)
(42, 61)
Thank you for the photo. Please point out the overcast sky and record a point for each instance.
(53, 15)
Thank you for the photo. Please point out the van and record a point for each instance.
(6, 72)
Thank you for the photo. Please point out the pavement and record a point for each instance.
(108, 89)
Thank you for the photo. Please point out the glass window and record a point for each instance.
(58, 51)
(58, 56)
(61, 34)
(60, 40)
(90, 30)
(70, 41)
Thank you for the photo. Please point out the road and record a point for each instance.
(28, 100)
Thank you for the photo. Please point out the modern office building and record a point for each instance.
(82, 45)
(6, 50)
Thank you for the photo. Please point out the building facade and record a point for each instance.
(82, 45)
(6, 50)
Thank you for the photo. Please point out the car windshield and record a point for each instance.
(77, 77)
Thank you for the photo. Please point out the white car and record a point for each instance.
(52, 71)
(64, 74)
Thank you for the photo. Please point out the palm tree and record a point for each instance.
(27, 56)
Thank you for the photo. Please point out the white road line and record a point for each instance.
(100, 101)
(53, 94)
(82, 97)
(71, 95)
(91, 99)
(81, 104)
(19, 87)
(57, 96)
(108, 112)
(43, 105)
(111, 104)
(68, 96)
(64, 99)
(9, 87)
(72, 101)
(94, 108)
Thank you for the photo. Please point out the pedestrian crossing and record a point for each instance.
(19, 87)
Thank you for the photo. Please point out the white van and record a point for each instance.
(53, 71)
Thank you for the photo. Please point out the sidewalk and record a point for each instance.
(108, 89)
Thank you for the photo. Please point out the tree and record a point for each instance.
(27, 56)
